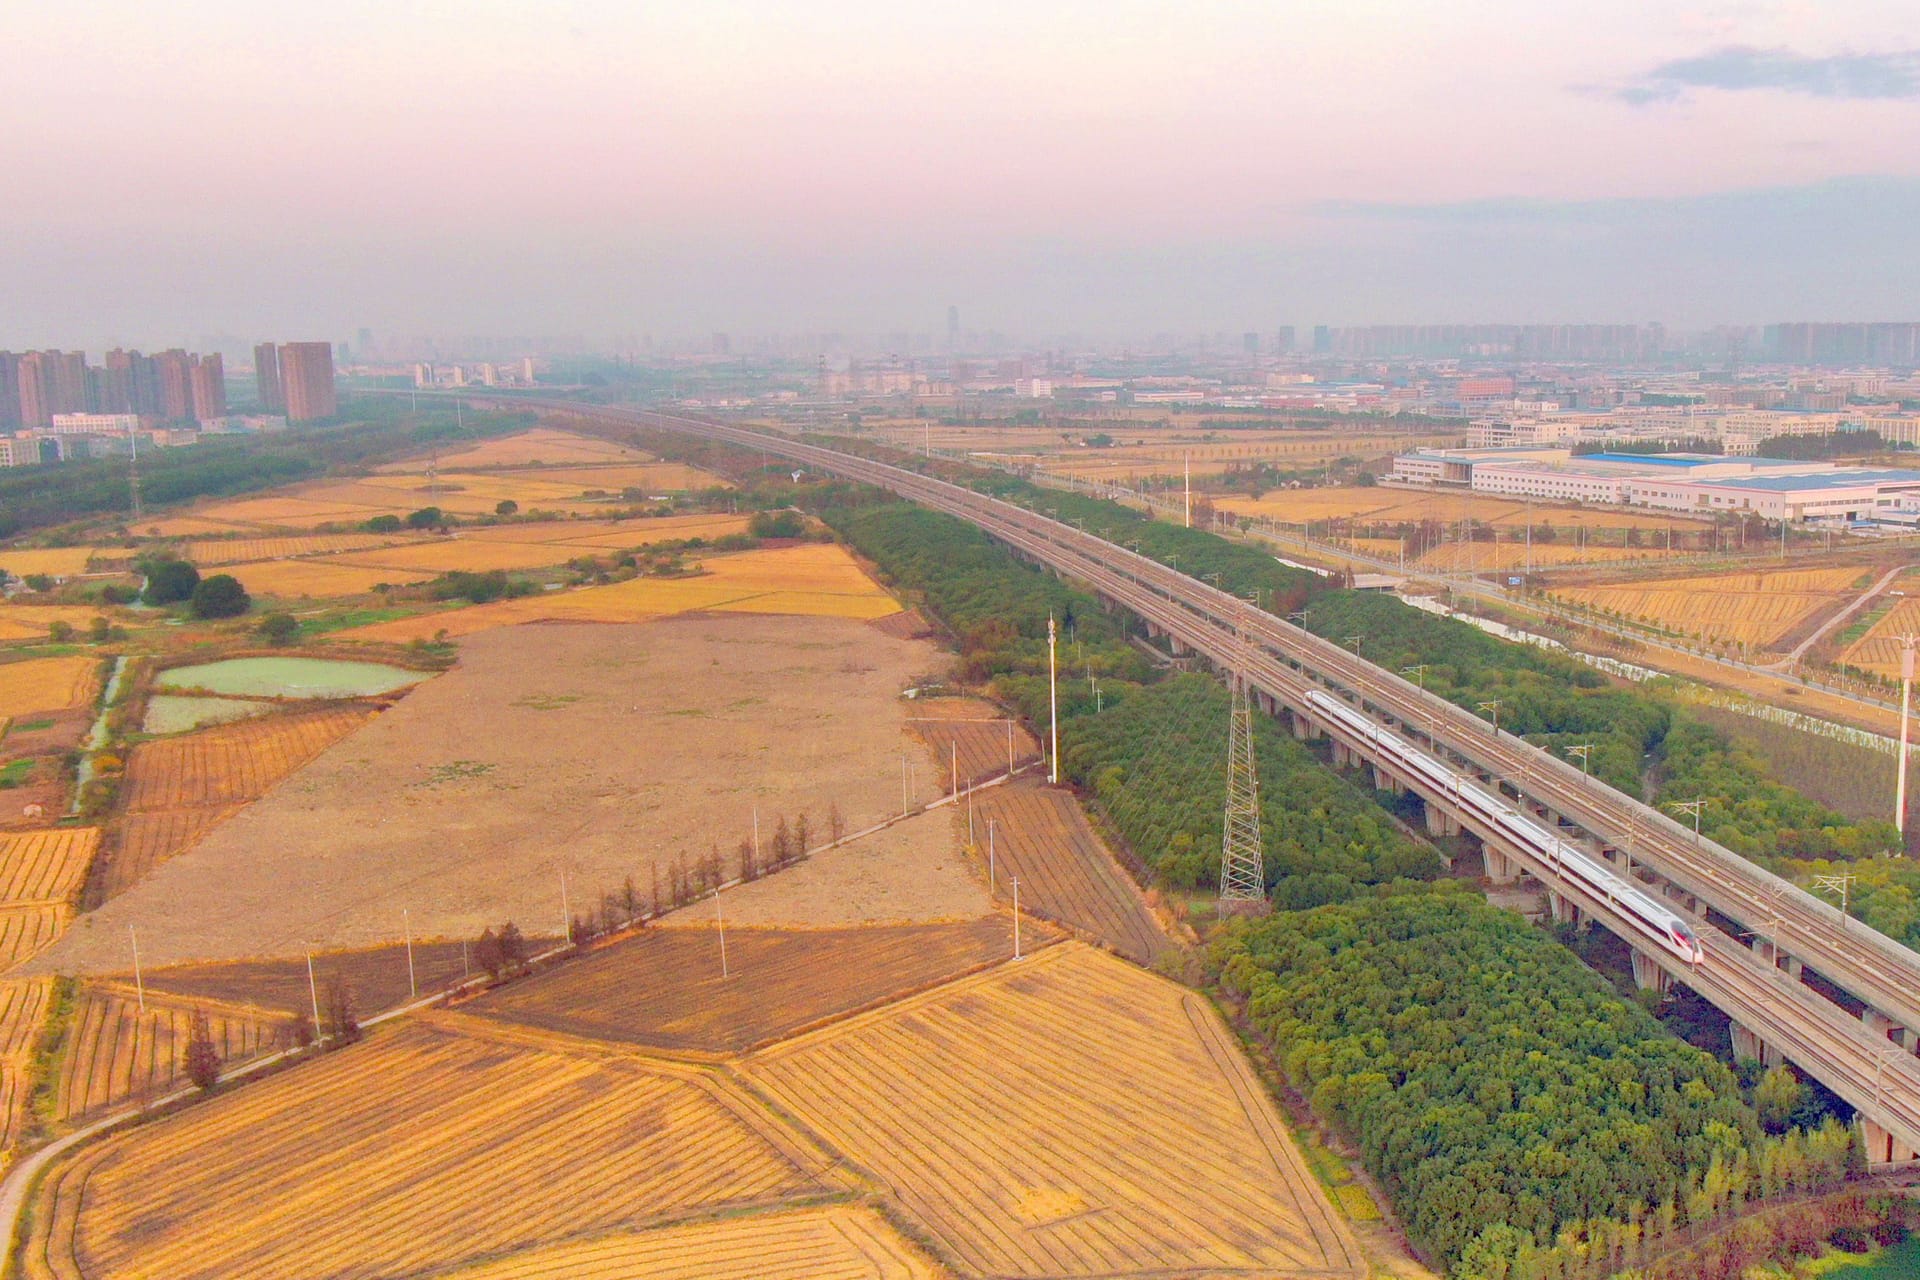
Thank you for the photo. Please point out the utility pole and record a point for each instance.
(566, 911)
(1016, 917)
(1243, 880)
(406, 929)
(992, 823)
(133, 476)
(1906, 699)
(720, 921)
(1053, 704)
(139, 984)
(313, 993)
(1186, 461)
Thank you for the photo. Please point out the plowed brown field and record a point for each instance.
(663, 989)
(1066, 873)
(422, 1148)
(376, 977)
(1069, 1115)
(233, 763)
(977, 734)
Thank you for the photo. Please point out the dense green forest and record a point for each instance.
(1156, 760)
(1497, 1088)
(35, 498)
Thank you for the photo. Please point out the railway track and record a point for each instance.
(1862, 1065)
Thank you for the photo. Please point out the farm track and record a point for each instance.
(1093, 1121)
(1066, 873)
(663, 988)
(398, 1156)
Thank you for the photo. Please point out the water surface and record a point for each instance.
(290, 678)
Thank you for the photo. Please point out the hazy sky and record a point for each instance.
(261, 167)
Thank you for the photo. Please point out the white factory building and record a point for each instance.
(1690, 483)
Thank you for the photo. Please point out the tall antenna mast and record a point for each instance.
(1243, 878)
(133, 472)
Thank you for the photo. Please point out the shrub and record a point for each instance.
(169, 581)
(220, 596)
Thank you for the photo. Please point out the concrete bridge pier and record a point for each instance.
(1303, 729)
(1648, 975)
(1501, 869)
(1747, 1044)
(1564, 909)
(1882, 1147)
(1384, 781)
(1440, 822)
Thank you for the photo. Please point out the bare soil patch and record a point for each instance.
(664, 988)
(599, 751)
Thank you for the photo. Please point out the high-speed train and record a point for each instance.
(1659, 924)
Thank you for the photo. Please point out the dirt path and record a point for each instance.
(1880, 585)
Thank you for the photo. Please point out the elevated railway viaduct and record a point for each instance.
(1799, 981)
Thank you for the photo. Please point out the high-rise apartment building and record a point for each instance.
(176, 384)
(67, 381)
(306, 378)
(209, 387)
(36, 390)
(266, 375)
(9, 391)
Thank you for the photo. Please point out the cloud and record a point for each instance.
(1737, 68)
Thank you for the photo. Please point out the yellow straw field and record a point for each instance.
(808, 578)
(29, 928)
(421, 1149)
(61, 562)
(46, 866)
(241, 550)
(31, 621)
(1363, 503)
(541, 446)
(317, 579)
(1068, 1115)
(474, 557)
(1754, 609)
(47, 684)
(834, 1242)
(1879, 649)
(23, 1011)
(115, 1053)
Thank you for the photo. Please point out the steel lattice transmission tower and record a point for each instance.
(1243, 881)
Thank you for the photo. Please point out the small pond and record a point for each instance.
(172, 713)
(290, 678)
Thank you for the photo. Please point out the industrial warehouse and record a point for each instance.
(1699, 484)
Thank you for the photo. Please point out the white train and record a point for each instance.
(1658, 923)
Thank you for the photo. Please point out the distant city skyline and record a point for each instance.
(1107, 169)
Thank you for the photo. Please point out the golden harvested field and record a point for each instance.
(232, 763)
(538, 447)
(240, 550)
(145, 840)
(833, 1242)
(23, 1007)
(1879, 649)
(31, 621)
(60, 562)
(980, 734)
(637, 532)
(1756, 609)
(603, 750)
(46, 866)
(410, 563)
(1069, 1115)
(114, 1053)
(29, 929)
(1480, 556)
(317, 579)
(47, 684)
(663, 989)
(1066, 873)
(1293, 449)
(1364, 503)
(376, 977)
(188, 527)
(286, 512)
(23, 1013)
(399, 1155)
(813, 578)
(654, 477)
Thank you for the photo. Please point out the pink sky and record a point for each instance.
(398, 148)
